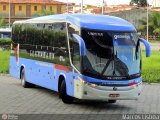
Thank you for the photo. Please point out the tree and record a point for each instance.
(153, 23)
(2, 22)
(44, 12)
(139, 3)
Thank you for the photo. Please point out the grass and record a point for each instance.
(4, 61)
(150, 66)
(154, 41)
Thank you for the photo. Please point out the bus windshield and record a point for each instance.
(111, 55)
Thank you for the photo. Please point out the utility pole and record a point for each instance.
(67, 7)
(147, 18)
(81, 6)
(9, 17)
(102, 7)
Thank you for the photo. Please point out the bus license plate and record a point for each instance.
(114, 95)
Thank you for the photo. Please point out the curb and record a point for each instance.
(1, 74)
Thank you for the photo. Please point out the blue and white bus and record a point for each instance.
(90, 57)
(5, 32)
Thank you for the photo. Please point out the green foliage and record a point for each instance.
(5, 41)
(153, 23)
(139, 3)
(4, 61)
(151, 67)
(44, 12)
(156, 31)
(2, 22)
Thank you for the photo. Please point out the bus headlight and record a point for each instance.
(92, 84)
(87, 83)
(81, 80)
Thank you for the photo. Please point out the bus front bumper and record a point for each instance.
(105, 93)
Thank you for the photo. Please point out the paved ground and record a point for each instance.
(18, 100)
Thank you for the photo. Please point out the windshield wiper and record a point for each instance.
(114, 68)
(107, 64)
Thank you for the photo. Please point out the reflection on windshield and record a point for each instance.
(110, 54)
(125, 47)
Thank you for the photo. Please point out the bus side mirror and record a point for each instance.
(81, 44)
(147, 46)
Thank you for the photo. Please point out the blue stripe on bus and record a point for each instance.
(94, 80)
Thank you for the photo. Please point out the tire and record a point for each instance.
(24, 83)
(111, 101)
(63, 94)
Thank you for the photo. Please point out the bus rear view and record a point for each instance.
(90, 57)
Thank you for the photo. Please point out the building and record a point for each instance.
(25, 9)
(112, 8)
(69, 7)
(74, 8)
(156, 3)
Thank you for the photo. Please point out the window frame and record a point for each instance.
(78, 32)
(50, 8)
(4, 8)
(35, 8)
(20, 8)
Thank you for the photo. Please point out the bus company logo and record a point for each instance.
(121, 37)
(4, 116)
(114, 88)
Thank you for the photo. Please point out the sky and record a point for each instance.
(109, 2)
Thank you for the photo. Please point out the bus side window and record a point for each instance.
(74, 45)
(75, 54)
(59, 41)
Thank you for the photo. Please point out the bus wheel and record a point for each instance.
(111, 101)
(63, 94)
(24, 83)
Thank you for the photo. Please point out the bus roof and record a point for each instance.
(5, 30)
(101, 22)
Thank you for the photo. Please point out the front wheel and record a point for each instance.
(24, 83)
(63, 94)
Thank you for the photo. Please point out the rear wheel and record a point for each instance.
(63, 94)
(24, 83)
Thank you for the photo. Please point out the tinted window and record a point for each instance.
(45, 42)
(74, 45)
(75, 53)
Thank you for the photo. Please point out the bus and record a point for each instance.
(88, 57)
(5, 32)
